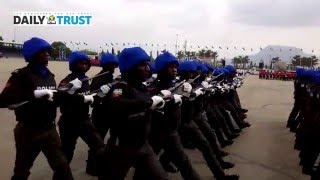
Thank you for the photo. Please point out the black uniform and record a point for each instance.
(294, 119)
(129, 104)
(164, 132)
(190, 131)
(98, 112)
(74, 121)
(35, 131)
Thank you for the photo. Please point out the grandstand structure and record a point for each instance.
(10, 49)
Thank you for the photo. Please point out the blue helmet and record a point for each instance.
(75, 57)
(33, 46)
(187, 66)
(163, 60)
(108, 58)
(204, 68)
(151, 65)
(231, 69)
(197, 64)
(210, 68)
(130, 57)
(217, 72)
(316, 78)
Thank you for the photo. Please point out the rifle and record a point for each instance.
(215, 77)
(185, 94)
(172, 89)
(62, 89)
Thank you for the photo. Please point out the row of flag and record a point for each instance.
(184, 46)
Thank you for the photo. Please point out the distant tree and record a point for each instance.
(202, 53)
(223, 62)
(214, 56)
(304, 61)
(240, 60)
(180, 55)
(251, 64)
(56, 47)
(1, 39)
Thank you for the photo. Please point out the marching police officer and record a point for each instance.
(130, 105)
(166, 121)
(74, 121)
(34, 86)
(108, 63)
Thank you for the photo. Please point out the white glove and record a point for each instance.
(165, 93)
(187, 87)
(44, 92)
(89, 98)
(206, 85)
(198, 92)
(76, 84)
(157, 103)
(177, 99)
(105, 89)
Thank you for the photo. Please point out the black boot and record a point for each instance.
(229, 177)
(91, 168)
(170, 168)
(224, 154)
(244, 110)
(227, 165)
(226, 143)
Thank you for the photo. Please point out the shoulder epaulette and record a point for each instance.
(17, 71)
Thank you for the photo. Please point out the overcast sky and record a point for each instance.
(241, 23)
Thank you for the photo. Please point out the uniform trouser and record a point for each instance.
(234, 103)
(100, 122)
(69, 134)
(215, 123)
(226, 129)
(209, 133)
(203, 145)
(30, 142)
(292, 120)
(117, 161)
(316, 169)
(173, 151)
(229, 107)
(236, 96)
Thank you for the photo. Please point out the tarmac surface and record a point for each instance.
(262, 152)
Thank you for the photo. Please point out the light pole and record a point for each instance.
(177, 43)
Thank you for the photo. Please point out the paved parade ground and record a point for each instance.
(262, 152)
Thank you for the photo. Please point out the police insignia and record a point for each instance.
(117, 93)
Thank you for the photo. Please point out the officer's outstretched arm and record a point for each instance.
(15, 91)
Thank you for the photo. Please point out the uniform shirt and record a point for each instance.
(72, 109)
(20, 87)
(130, 117)
(99, 112)
(168, 118)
